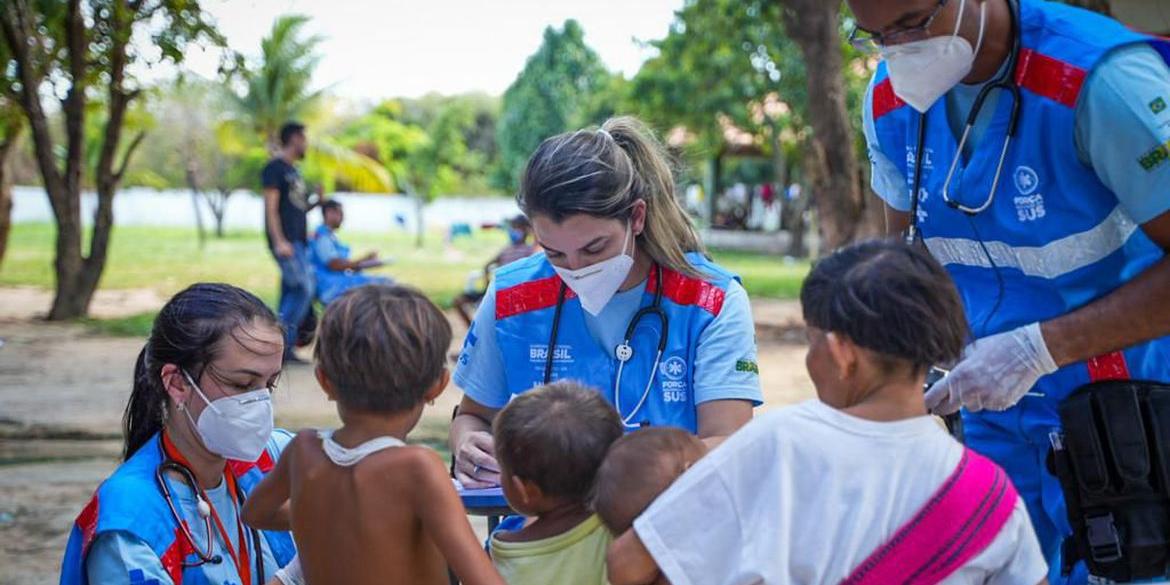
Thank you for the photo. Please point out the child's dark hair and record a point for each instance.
(382, 347)
(637, 469)
(556, 437)
(888, 297)
(186, 333)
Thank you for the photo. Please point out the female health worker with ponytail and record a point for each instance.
(623, 299)
(199, 436)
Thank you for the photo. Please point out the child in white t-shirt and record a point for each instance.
(839, 489)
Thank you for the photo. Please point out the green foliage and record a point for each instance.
(721, 60)
(276, 90)
(547, 98)
(277, 87)
(731, 62)
(434, 146)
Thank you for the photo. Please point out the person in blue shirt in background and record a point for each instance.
(1027, 144)
(336, 271)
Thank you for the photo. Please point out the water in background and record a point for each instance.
(245, 210)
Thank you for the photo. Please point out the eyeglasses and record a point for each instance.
(871, 43)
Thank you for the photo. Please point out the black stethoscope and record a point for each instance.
(204, 510)
(624, 352)
(1005, 81)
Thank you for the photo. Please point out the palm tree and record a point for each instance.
(278, 89)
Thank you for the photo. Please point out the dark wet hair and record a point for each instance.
(382, 347)
(187, 333)
(602, 173)
(556, 437)
(888, 297)
(637, 469)
(289, 130)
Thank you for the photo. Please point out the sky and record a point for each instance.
(376, 49)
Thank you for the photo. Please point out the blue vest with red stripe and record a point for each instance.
(1058, 238)
(130, 501)
(526, 299)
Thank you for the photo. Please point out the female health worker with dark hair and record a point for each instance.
(623, 300)
(199, 436)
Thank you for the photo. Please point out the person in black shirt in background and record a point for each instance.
(286, 205)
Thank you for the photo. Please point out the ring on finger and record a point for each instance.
(475, 472)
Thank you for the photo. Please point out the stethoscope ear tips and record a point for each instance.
(623, 352)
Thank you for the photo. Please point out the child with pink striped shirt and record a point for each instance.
(860, 486)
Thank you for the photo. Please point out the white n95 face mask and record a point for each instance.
(235, 427)
(924, 71)
(596, 284)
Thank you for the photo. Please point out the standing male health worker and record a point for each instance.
(1044, 188)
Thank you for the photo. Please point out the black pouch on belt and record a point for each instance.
(1112, 461)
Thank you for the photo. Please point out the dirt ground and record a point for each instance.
(62, 391)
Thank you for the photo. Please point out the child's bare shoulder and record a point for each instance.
(304, 443)
(409, 464)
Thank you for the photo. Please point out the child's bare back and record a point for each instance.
(364, 524)
(363, 506)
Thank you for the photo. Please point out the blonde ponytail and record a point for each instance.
(669, 233)
(603, 173)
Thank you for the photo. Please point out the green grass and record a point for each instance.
(167, 259)
(765, 276)
(133, 326)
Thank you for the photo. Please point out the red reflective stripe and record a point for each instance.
(265, 462)
(87, 523)
(884, 99)
(1050, 78)
(1111, 366)
(688, 290)
(241, 468)
(172, 558)
(529, 296)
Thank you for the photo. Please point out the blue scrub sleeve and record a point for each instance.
(1123, 129)
(726, 366)
(885, 179)
(118, 558)
(323, 249)
(480, 372)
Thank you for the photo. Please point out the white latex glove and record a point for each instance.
(291, 573)
(995, 372)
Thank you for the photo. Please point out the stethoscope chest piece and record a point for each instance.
(203, 507)
(623, 352)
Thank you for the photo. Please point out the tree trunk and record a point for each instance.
(218, 210)
(7, 147)
(193, 185)
(813, 24)
(77, 274)
(420, 228)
